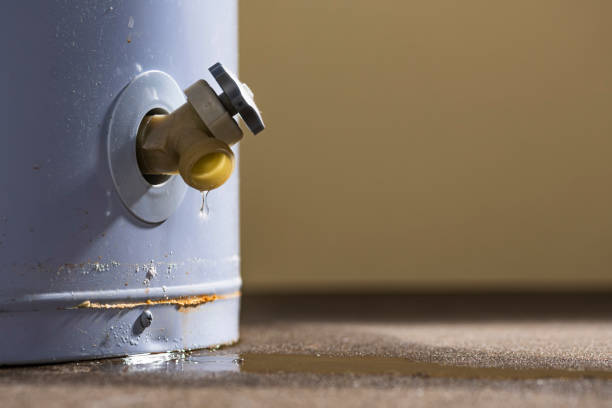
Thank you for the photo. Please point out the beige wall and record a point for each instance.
(428, 144)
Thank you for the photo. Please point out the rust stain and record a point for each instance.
(182, 303)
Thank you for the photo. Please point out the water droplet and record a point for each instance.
(204, 210)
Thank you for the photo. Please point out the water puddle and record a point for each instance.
(207, 362)
(202, 363)
(372, 365)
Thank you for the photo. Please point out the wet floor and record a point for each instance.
(202, 362)
(374, 365)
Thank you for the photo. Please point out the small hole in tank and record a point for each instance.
(153, 179)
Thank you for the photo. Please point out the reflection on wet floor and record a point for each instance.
(202, 362)
(177, 362)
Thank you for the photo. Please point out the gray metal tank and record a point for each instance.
(81, 274)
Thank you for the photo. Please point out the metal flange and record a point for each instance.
(149, 91)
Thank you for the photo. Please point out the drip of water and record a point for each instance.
(204, 210)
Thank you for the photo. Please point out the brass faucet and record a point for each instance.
(195, 139)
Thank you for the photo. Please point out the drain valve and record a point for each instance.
(195, 139)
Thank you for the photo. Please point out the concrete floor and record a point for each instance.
(385, 350)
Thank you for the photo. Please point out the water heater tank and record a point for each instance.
(98, 259)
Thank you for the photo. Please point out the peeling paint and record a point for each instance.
(180, 302)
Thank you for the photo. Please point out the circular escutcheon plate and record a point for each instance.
(151, 90)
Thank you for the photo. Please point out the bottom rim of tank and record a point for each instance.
(60, 335)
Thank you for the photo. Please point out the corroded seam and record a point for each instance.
(180, 302)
